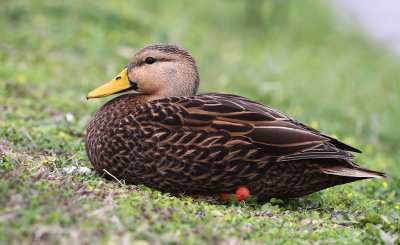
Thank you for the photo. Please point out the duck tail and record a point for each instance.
(355, 171)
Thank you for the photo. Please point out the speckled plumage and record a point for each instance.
(215, 142)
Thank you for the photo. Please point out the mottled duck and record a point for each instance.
(172, 139)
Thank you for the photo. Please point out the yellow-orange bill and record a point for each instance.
(118, 84)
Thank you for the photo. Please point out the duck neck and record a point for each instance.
(175, 88)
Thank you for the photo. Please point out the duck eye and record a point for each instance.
(150, 60)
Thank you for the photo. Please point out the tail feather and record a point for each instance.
(356, 172)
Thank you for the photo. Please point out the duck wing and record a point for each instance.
(276, 134)
(262, 108)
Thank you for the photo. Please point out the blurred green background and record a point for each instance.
(296, 56)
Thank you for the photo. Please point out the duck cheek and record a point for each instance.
(148, 86)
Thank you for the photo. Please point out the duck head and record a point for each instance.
(156, 71)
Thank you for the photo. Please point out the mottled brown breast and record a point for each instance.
(103, 130)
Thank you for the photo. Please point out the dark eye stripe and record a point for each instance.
(164, 59)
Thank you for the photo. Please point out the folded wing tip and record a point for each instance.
(357, 173)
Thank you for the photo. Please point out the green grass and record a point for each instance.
(295, 56)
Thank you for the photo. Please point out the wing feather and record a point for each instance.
(276, 134)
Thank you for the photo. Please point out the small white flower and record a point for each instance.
(69, 117)
(84, 170)
(80, 170)
(69, 170)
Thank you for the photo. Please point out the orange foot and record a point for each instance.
(241, 194)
